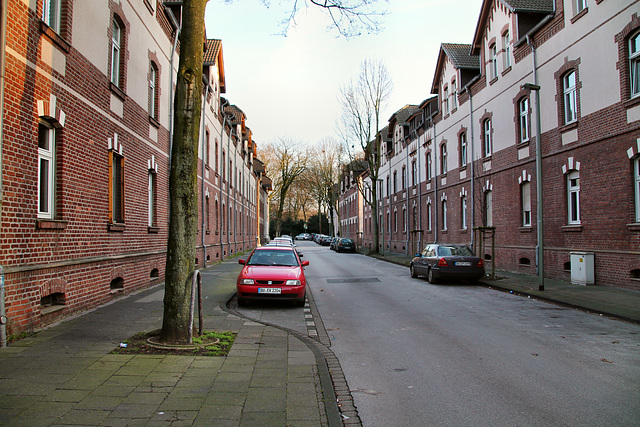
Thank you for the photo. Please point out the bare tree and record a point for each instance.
(362, 101)
(323, 174)
(286, 161)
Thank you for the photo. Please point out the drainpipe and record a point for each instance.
(205, 80)
(419, 196)
(173, 20)
(434, 150)
(223, 103)
(3, 31)
(406, 189)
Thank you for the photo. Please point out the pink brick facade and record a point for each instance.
(80, 255)
(599, 146)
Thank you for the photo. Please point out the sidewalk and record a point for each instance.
(65, 375)
(620, 303)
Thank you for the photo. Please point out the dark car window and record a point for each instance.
(454, 251)
(277, 258)
(347, 241)
(430, 251)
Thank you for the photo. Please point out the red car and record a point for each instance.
(272, 273)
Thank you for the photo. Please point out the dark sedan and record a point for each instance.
(345, 245)
(447, 261)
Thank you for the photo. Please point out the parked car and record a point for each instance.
(326, 241)
(283, 241)
(272, 273)
(447, 261)
(345, 245)
(303, 236)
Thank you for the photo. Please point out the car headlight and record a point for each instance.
(246, 282)
(293, 283)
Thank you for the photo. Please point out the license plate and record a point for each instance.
(463, 264)
(269, 290)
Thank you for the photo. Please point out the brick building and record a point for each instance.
(86, 131)
(474, 146)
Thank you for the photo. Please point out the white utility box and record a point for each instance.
(582, 268)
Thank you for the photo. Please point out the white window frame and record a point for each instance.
(487, 138)
(404, 177)
(414, 173)
(46, 156)
(429, 166)
(636, 171)
(454, 97)
(570, 97)
(463, 206)
(523, 108)
(404, 219)
(525, 191)
(443, 159)
(463, 149)
(116, 39)
(634, 64)
(488, 207)
(573, 197)
(493, 61)
(152, 198)
(153, 72)
(444, 215)
(579, 6)
(428, 216)
(446, 100)
(506, 43)
(52, 14)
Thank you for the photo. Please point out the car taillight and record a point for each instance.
(443, 262)
(480, 263)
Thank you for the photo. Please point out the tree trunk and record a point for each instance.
(183, 227)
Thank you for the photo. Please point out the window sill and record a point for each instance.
(632, 102)
(51, 309)
(154, 122)
(463, 168)
(525, 229)
(54, 38)
(634, 227)
(153, 230)
(495, 79)
(112, 226)
(117, 91)
(149, 6)
(580, 15)
(453, 110)
(506, 70)
(577, 228)
(569, 126)
(51, 224)
(463, 231)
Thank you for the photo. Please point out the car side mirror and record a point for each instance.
(241, 261)
(305, 263)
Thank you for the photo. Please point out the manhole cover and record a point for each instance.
(354, 280)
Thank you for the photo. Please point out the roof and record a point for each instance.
(212, 57)
(402, 115)
(461, 58)
(238, 114)
(536, 6)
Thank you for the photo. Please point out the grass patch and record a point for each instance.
(210, 343)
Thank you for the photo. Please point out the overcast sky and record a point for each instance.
(289, 86)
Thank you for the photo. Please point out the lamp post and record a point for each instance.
(540, 247)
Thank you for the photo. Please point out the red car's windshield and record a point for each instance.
(273, 257)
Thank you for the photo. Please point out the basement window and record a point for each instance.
(117, 285)
(52, 302)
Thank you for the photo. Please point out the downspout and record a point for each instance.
(223, 103)
(434, 150)
(228, 188)
(3, 31)
(419, 195)
(205, 80)
(174, 22)
(473, 157)
(406, 189)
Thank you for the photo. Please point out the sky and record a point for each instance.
(288, 87)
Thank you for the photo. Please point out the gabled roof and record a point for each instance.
(213, 56)
(461, 58)
(238, 114)
(402, 115)
(542, 7)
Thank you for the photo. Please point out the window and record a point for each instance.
(389, 222)
(487, 131)
(525, 192)
(454, 96)
(404, 177)
(463, 149)
(443, 159)
(153, 90)
(116, 187)
(488, 209)
(388, 187)
(51, 14)
(414, 173)
(207, 147)
(444, 215)
(152, 198)
(116, 41)
(493, 62)
(429, 169)
(445, 101)
(506, 43)
(395, 221)
(570, 105)
(46, 162)
(463, 212)
(404, 219)
(580, 5)
(395, 181)
(216, 148)
(636, 172)
(523, 108)
(428, 216)
(573, 197)
(634, 64)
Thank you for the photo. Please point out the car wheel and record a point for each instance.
(430, 277)
(413, 271)
(300, 302)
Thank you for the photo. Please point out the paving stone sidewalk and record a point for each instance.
(65, 375)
